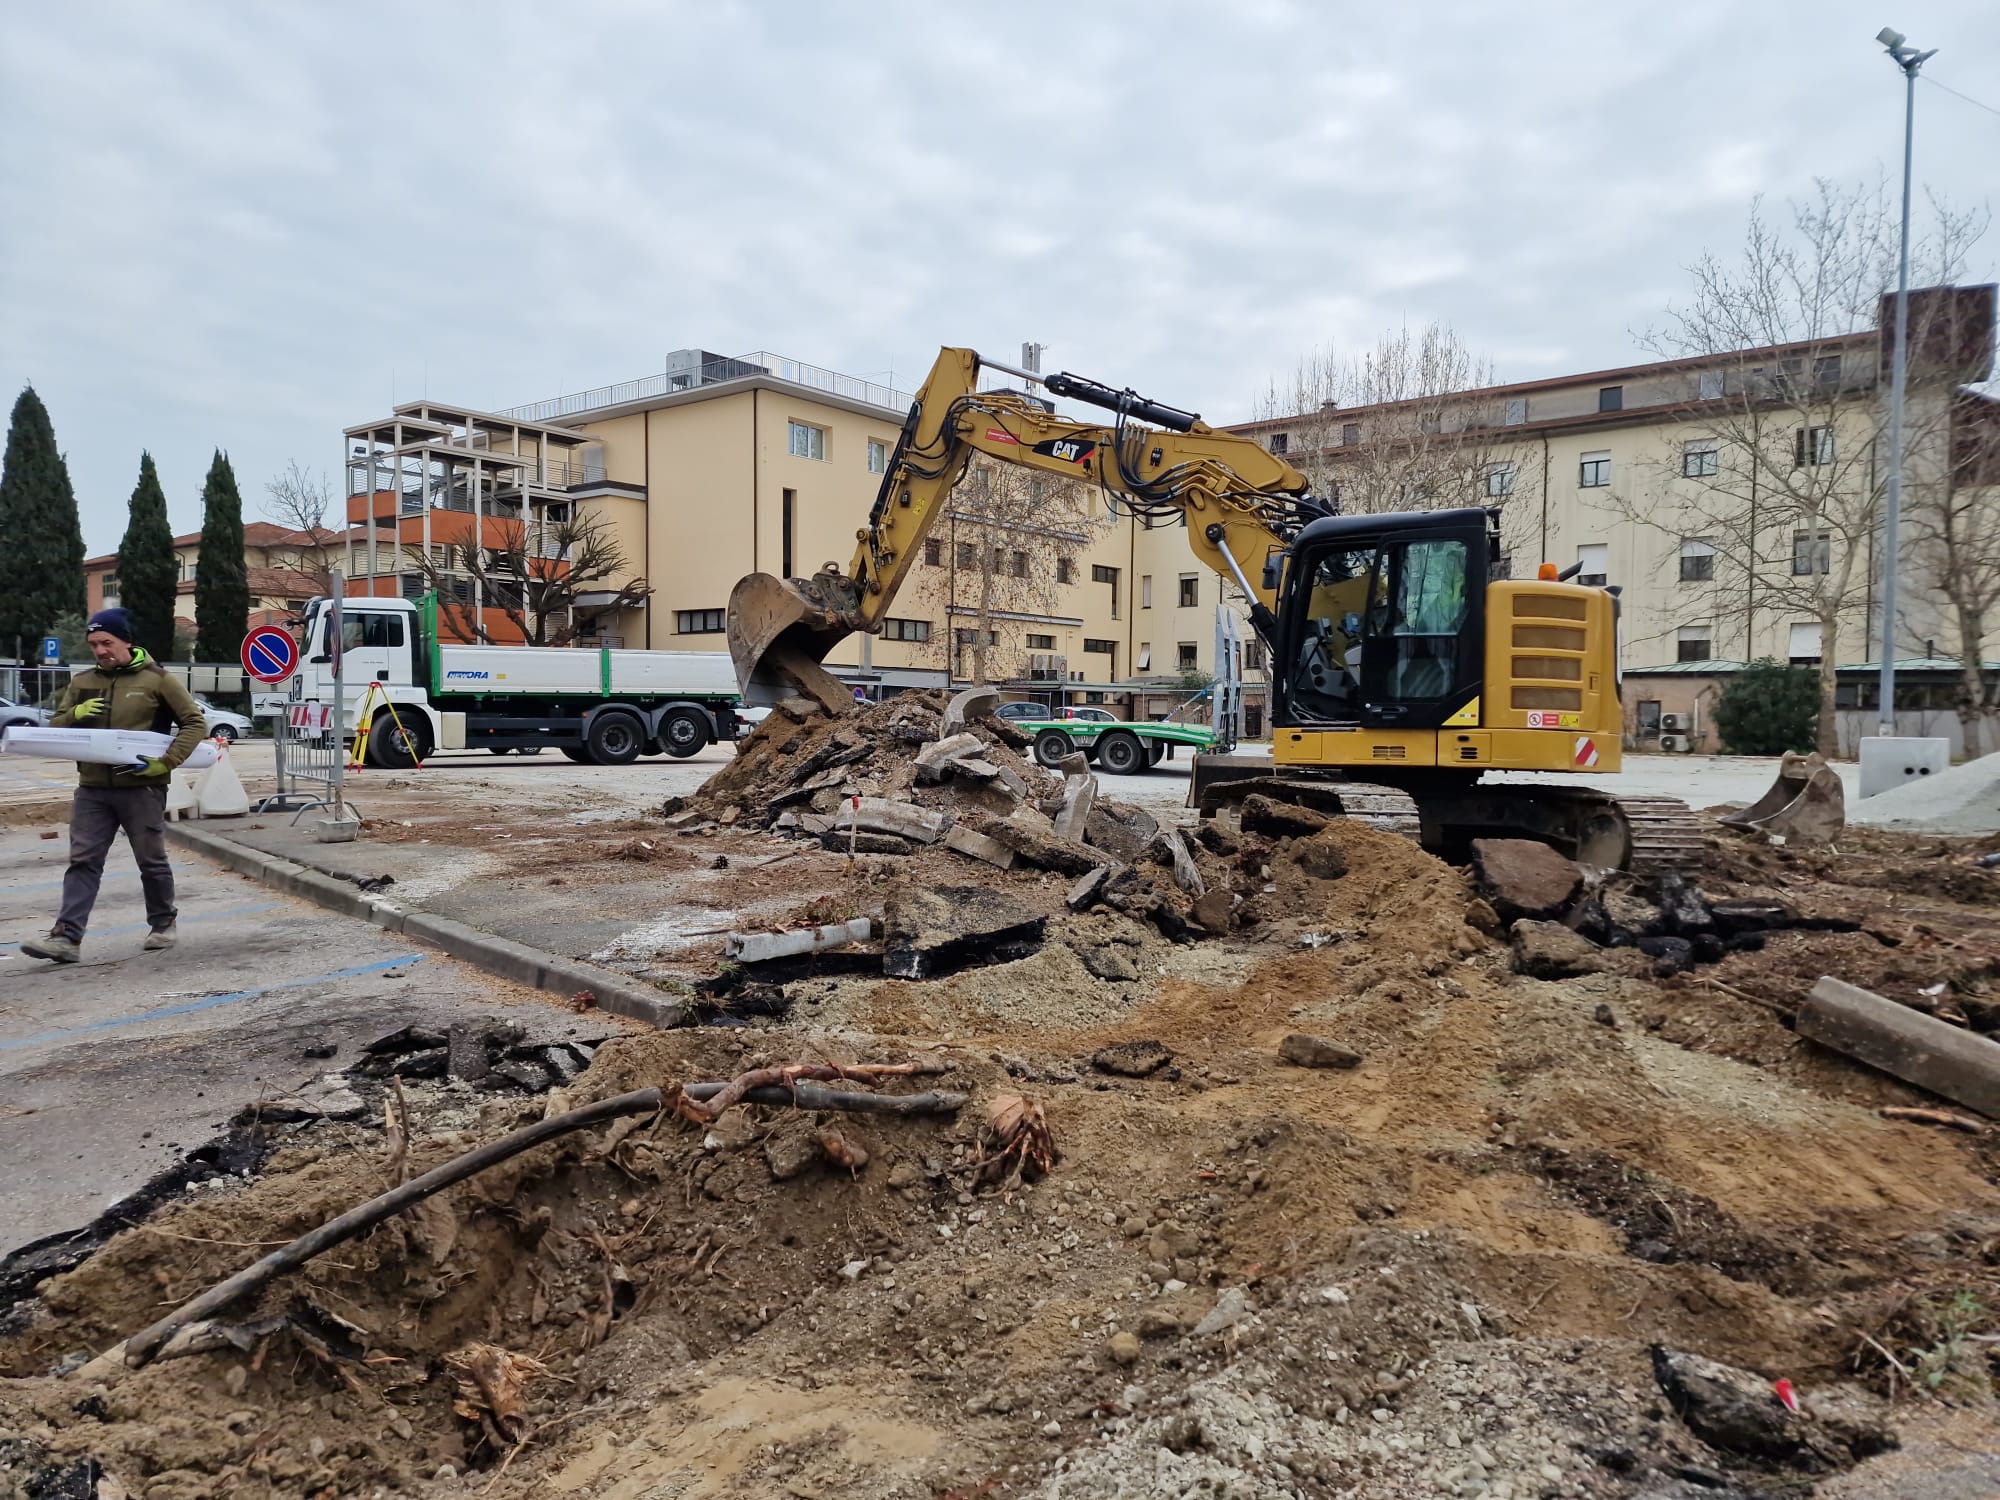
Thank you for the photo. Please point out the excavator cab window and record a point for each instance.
(1385, 630)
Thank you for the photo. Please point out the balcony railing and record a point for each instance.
(715, 372)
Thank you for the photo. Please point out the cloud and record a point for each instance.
(248, 228)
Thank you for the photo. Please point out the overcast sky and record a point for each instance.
(249, 226)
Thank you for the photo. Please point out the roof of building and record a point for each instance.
(1721, 667)
(255, 534)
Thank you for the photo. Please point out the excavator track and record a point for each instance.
(1646, 835)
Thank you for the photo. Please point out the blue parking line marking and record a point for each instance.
(207, 1003)
(208, 916)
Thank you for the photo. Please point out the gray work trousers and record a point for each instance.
(94, 820)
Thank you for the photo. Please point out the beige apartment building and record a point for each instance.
(717, 467)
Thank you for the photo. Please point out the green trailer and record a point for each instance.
(1116, 746)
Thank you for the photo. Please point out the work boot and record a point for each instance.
(55, 947)
(160, 937)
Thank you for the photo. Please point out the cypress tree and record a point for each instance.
(221, 584)
(41, 561)
(148, 572)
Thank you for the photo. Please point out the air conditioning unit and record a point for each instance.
(1676, 742)
(1676, 723)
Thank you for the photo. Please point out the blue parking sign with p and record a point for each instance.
(51, 651)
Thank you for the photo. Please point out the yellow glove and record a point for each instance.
(87, 708)
(154, 769)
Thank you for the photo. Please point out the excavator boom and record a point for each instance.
(1240, 503)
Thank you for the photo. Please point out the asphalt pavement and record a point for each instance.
(113, 1067)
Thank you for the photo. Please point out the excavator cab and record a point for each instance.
(1382, 620)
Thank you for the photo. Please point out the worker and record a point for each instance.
(126, 690)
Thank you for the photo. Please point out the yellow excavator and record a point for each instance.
(1404, 674)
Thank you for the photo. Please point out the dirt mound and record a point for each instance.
(1442, 1270)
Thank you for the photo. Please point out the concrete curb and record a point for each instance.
(497, 955)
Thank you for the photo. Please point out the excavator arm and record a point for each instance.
(1154, 462)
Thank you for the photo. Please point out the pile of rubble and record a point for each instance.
(920, 771)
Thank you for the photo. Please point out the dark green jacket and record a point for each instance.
(142, 695)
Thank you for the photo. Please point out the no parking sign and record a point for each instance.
(269, 654)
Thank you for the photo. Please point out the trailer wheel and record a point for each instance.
(614, 739)
(398, 745)
(1121, 753)
(1051, 745)
(684, 732)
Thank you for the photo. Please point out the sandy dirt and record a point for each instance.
(1441, 1271)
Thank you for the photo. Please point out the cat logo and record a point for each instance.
(1067, 450)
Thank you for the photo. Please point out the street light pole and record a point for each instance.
(1909, 59)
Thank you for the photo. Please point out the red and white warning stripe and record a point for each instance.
(1586, 752)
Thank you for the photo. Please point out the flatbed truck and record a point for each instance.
(597, 704)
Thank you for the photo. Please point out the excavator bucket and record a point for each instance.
(780, 630)
(1805, 805)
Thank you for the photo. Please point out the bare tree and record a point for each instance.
(299, 499)
(1775, 475)
(1010, 542)
(1405, 425)
(536, 573)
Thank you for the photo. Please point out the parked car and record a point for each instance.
(748, 719)
(1022, 712)
(223, 723)
(25, 715)
(1094, 715)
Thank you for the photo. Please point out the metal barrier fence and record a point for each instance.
(309, 761)
(310, 751)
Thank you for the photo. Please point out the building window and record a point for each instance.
(906, 630)
(965, 557)
(1254, 659)
(1281, 442)
(1611, 398)
(1145, 661)
(1812, 446)
(1099, 573)
(1186, 656)
(933, 552)
(977, 637)
(1517, 410)
(1041, 643)
(1826, 371)
(1694, 644)
(1253, 721)
(1594, 471)
(1065, 570)
(698, 621)
(110, 590)
(1708, 385)
(1499, 481)
(1812, 552)
(1145, 591)
(878, 456)
(1350, 434)
(806, 440)
(1095, 647)
(1190, 590)
(1805, 643)
(1698, 460)
(1593, 561)
(1697, 561)
(413, 586)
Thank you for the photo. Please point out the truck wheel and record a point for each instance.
(684, 732)
(614, 739)
(1051, 745)
(395, 745)
(1121, 753)
(577, 753)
